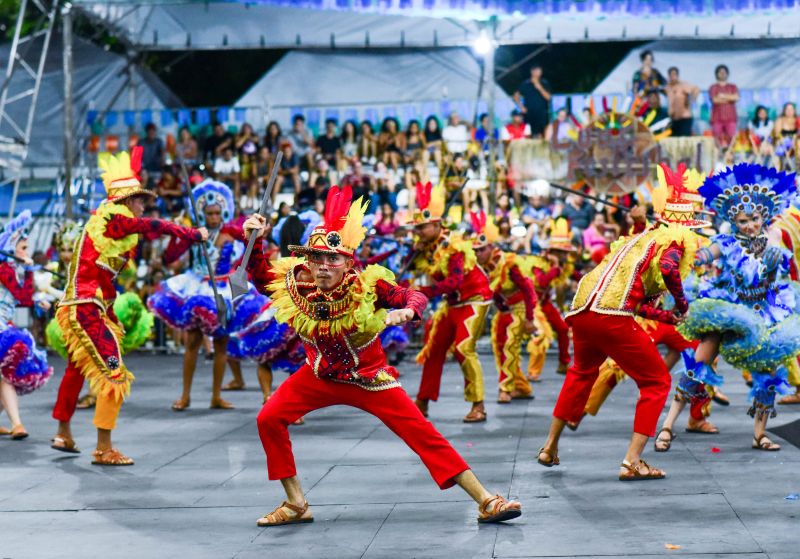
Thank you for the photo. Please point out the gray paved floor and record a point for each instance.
(200, 483)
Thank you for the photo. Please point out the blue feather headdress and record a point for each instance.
(213, 193)
(748, 188)
(13, 231)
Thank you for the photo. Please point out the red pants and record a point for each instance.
(559, 327)
(599, 336)
(459, 328)
(68, 393)
(303, 392)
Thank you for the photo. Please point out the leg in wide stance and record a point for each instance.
(633, 350)
(303, 392)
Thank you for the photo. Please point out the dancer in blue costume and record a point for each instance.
(747, 313)
(186, 301)
(23, 366)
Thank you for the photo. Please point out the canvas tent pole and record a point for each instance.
(69, 149)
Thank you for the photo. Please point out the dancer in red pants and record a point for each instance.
(339, 314)
(449, 262)
(628, 281)
(92, 333)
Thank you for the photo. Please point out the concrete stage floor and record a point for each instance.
(199, 482)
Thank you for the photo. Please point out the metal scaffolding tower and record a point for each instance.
(27, 72)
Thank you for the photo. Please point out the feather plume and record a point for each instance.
(423, 194)
(660, 193)
(478, 221)
(136, 160)
(336, 207)
(437, 202)
(353, 230)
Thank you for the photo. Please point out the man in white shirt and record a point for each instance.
(227, 170)
(456, 135)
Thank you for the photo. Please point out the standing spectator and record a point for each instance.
(415, 142)
(578, 212)
(302, 142)
(227, 169)
(186, 152)
(273, 138)
(367, 143)
(533, 100)
(391, 143)
(152, 154)
(215, 144)
(289, 170)
(647, 78)
(517, 129)
(349, 140)
(724, 97)
(433, 141)
(329, 144)
(680, 95)
(456, 135)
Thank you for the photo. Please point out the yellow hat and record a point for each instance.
(121, 176)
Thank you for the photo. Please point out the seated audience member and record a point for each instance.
(481, 134)
(273, 138)
(246, 141)
(215, 144)
(433, 141)
(391, 143)
(367, 143)
(578, 211)
(415, 143)
(170, 192)
(456, 135)
(560, 132)
(387, 222)
(349, 141)
(289, 171)
(227, 169)
(308, 196)
(517, 129)
(186, 150)
(329, 144)
(302, 142)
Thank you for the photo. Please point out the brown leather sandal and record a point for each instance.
(180, 404)
(86, 402)
(475, 415)
(110, 457)
(498, 509)
(63, 443)
(704, 428)
(18, 432)
(520, 395)
(535, 378)
(789, 400)
(665, 445)
(764, 443)
(553, 458)
(279, 516)
(4, 431)
(503, 397)
(233, 385)
(220, 404)
(632, 472)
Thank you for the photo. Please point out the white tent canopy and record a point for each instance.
(185, 25)
(406, 84)
(99, 82)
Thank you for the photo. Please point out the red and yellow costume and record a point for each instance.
(345, 363)
(515, 299)
(548, 277)
(451, 265)
(92, 333)
(611, 374)
(788, 224)
(628, 282)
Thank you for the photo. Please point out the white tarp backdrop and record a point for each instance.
(354, 85)
(182, 25)
(99, 76)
